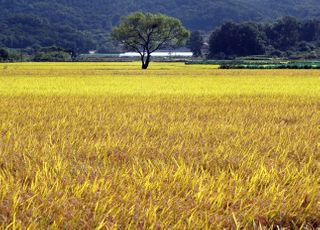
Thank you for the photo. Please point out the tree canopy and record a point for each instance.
(4, 54)
(146, 33)
(236, 40)
(279, 38)
(195, 43)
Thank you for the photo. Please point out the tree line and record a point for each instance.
(284, 37)
(281, 38)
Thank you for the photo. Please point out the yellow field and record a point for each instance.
(107, 145)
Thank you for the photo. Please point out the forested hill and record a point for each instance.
(85, 23)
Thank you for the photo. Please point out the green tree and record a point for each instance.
(195, 43)
(4, 54)
(146, 33)
(310, 30)
(284, 34)
(233, 39)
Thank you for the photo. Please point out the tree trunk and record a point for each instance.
(145, 63)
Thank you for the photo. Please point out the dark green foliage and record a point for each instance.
(4, 54)
(286, 37)
(85, 24)
(9, 55)
(283, 34)
(195, 43)
(310, 30)
(236, 40)
(52, 56)
(25, 30)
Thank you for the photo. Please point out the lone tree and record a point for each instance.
(145, 33)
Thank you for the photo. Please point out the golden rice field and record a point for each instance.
(109, 146)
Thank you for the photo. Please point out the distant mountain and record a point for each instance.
(84, 24)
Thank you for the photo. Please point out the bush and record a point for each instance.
(55, 56)
(4, 55)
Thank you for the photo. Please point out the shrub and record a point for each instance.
(4, 55)
(55, 56)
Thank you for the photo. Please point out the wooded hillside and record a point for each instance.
(84, 24)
